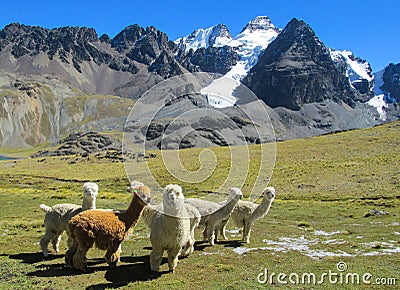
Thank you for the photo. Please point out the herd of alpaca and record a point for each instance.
(172, 223)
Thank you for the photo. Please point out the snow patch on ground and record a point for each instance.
(322, 233)
(380, 105)
(220, 93)
(303, 245)
(307, 247)
(235, 231)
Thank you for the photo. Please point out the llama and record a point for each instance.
(169, 229)
(105, 229)
(246, 213)
(214, 215)
(57, 217)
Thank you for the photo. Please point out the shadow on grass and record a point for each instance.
(32, 258)
(130, 269)
(136, 269)
(200, 246)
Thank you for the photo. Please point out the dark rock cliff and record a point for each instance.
(391, 82)
(295, 69)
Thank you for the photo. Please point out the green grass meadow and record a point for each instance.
(320, 221)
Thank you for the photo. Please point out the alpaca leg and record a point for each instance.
(205, 234)
(210, 234)
(79, 260)
(44, 242)
(120, 251)
(191, 244)
(56, 242)
(216, 231)
(222, 231)
(113, 256)
(70, 241)
(246, 232)
(156, 258)
(173, 258)
(69, 255)
(188, 248)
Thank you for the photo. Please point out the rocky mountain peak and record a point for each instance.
(218, 31)
(67, 43)
(296, 68)
(127, 37)
(259, 23)
(217, 36)
(300, 38)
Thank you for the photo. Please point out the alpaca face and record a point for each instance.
(235, 192)
(143, 192)
(134, 184)
(90, 190)
(269, 193)
(172, 197)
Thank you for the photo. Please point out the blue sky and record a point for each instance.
(368, 28)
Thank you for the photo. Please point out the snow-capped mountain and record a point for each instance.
(249, 43)
(357, 70)
(215, 36)
(253, 39)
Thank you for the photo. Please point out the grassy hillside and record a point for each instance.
(338, 200)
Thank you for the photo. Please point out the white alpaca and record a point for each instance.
(169, 229)
(193, 213)
(214, 215)
(194, 218)
(246, 213)
(57, 217)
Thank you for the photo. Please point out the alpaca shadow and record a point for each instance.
(32, 258)
(231, 243)
(136, 269)
(61, 269)
(200, 245)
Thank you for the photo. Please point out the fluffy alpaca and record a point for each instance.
(246, 213)
(57, 217)
(169, 229)
(194, 218)
(214, 215)
(105, 229)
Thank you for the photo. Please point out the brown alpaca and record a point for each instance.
(105, 229)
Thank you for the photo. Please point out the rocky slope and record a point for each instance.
(57, 81)
(95, 65)
(35, 112)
